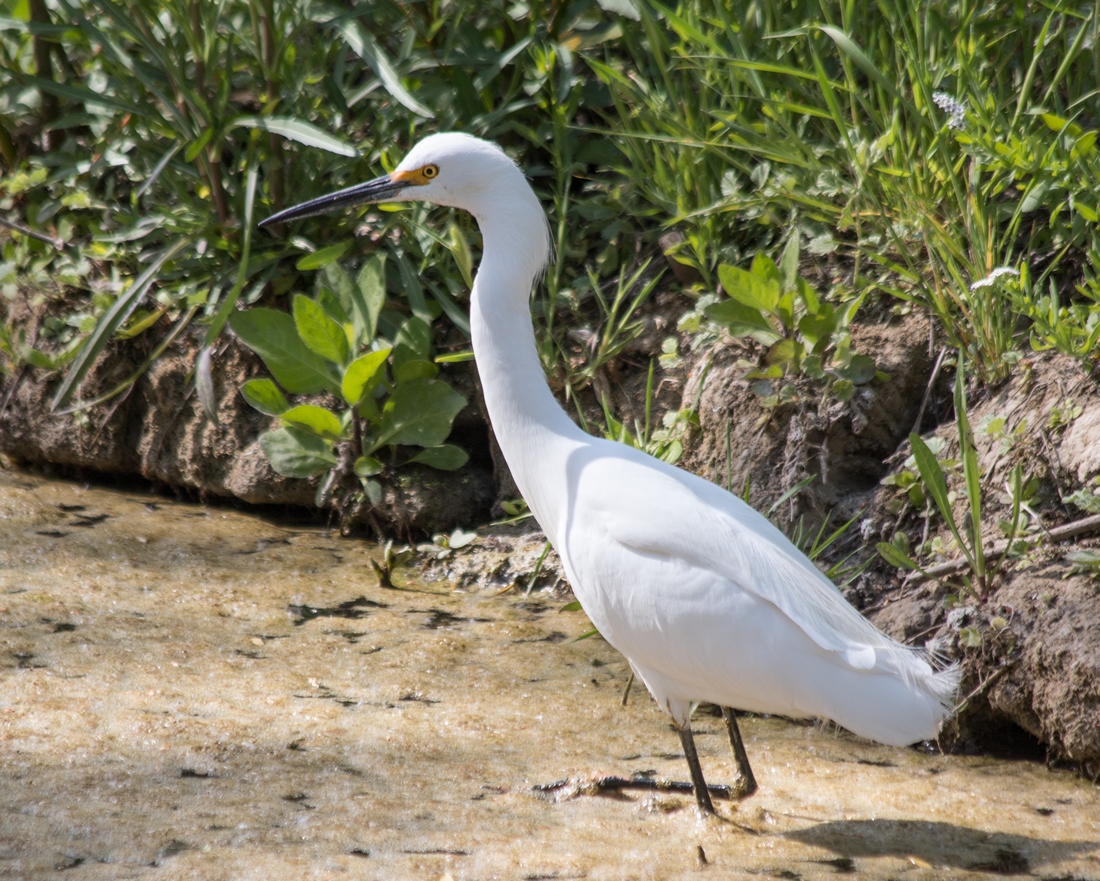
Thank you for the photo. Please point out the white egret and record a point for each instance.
(706, 599)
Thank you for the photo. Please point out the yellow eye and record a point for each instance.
(429, 171)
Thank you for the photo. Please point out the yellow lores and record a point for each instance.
(416, 177)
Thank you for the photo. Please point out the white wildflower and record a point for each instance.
(955, 110)
(989, 280)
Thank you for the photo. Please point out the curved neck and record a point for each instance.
(533, 431)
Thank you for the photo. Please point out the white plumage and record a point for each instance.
(705, 597)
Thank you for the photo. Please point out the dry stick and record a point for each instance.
(1058, 533)
(928, 390)
(42, 237)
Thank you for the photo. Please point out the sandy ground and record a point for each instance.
(190, 692)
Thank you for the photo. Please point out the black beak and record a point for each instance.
(378, 190)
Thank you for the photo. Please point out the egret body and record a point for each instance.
(706, 599)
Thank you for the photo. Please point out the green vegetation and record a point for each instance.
(938, 157)
(335, 343)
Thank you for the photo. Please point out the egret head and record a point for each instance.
(451, 168)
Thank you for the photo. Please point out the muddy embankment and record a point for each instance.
(1030, 646)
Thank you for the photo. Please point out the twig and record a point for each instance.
(617, 784)
(1058, 533)
(42, 237)
(982, 686)
(928, 390)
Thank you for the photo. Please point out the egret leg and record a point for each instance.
(702, 794)
(745, 784)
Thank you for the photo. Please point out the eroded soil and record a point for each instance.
(190, 692)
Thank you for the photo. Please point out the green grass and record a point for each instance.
(917, 147)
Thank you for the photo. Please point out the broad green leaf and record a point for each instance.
(786, 351)
(417, 369)
(1085, 146)
(749, 289)
(333, 309)
(368, 297)
(295, 453)
(895, 556)
(316, 420)
(367, 466)
(741, 320)
(413, 342)
(297, 130)
(860, 370)
(336, 280)
(445, 457)
(360, 40)
(788, 263)
(764, 268)
(273, 336)
(322, 257)
(321, 334)
(932, 475)
(265, 396)
(419, 412)
(809, 297)
(362, 375)
(818, 326)
(574, 606)
(1036, 195)
(1061, 125)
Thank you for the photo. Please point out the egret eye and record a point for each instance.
(429, 171)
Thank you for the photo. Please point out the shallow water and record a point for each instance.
(191, 692)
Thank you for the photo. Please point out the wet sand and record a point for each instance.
(193, 692)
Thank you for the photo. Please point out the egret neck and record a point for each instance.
(535, 434)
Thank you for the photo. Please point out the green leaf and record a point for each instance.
(419, 412)
(274, 337)
(785, 352)
(859, 371)
(445, 457)
(368, 296)
(316, 420)
(321, 334)
(895, 556)
(111, 320)
(417, 369)
(198, 144)
(1061, 125)
(741, 320)
(322, 257)
(749, 289)
(932, 475)
(327, 301)
(818, 326)
(265, 396)
(367, 466)
(788, 263)
(460, 250)
(364, 45)
(574, 606)
(1036, 195)
(363, 375)
(296, 130)
(413, 342)
(971, 470)
(295, 453)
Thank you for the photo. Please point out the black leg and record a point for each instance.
(702, 794)
(746, 781)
